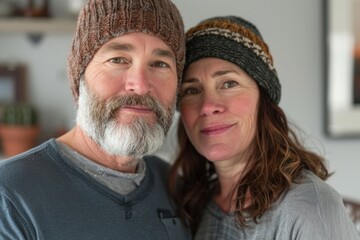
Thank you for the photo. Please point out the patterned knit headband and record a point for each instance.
(238, 41)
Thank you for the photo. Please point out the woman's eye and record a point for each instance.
(161, 64)
(230, 84)
(189, 91)
(117, 60)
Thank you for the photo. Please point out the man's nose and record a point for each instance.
(138, 81)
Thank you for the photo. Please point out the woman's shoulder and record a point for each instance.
(314, 189)
(312, 193)
(311, 199)
(313, 206)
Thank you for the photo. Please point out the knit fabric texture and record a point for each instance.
(238, 41)
(101, 20)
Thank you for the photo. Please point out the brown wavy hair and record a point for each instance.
(277, 161)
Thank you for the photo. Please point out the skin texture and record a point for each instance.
(132, 64)
(219, 104)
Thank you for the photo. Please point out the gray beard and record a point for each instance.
(96, 118)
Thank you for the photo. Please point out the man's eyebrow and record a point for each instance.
(160, 52)
(117, 47)
(164, 53)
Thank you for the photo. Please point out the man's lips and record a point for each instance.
(217, 129)
(137, 109)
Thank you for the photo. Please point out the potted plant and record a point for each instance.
(19, 129)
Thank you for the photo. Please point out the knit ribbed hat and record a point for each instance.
(101, 20)
(238, 41)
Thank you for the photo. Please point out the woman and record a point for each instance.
(244, 173)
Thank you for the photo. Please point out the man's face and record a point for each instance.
(127, 95)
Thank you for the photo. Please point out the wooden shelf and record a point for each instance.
(37, 25)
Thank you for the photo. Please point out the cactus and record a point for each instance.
(18, 128)
(19, 114)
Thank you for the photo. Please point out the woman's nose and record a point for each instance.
(211, 105)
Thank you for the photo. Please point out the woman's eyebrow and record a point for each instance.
(190, 80)
(215, 74)
(223, 72)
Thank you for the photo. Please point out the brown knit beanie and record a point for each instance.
(238, 41)
(101, 20)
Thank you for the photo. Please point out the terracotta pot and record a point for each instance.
(17, 139)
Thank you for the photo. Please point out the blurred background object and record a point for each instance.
(40, 8)
(74, 7)
(19, 129)
(36, 9)
(6, 9)
(353, 209)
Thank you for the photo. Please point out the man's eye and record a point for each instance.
(117, 60)
(161, 64)
(230, 84)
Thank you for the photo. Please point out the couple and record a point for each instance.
(241, 173)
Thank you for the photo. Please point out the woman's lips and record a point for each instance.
(217, 129)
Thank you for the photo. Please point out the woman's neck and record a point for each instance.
(229, 176)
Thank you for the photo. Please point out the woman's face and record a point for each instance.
(218, 106)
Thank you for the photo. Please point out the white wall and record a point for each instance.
(293, 31)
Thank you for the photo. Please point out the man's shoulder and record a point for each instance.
(24, 163)
(156, 163)
(158, 167)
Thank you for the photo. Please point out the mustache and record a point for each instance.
(147, 101)
(112, 105)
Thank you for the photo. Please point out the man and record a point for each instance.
(94, 182)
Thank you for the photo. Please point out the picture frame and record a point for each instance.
(342, 68)
(12, 83)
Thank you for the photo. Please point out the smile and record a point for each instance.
(216, 130)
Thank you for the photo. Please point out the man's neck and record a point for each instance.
(81, 143)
